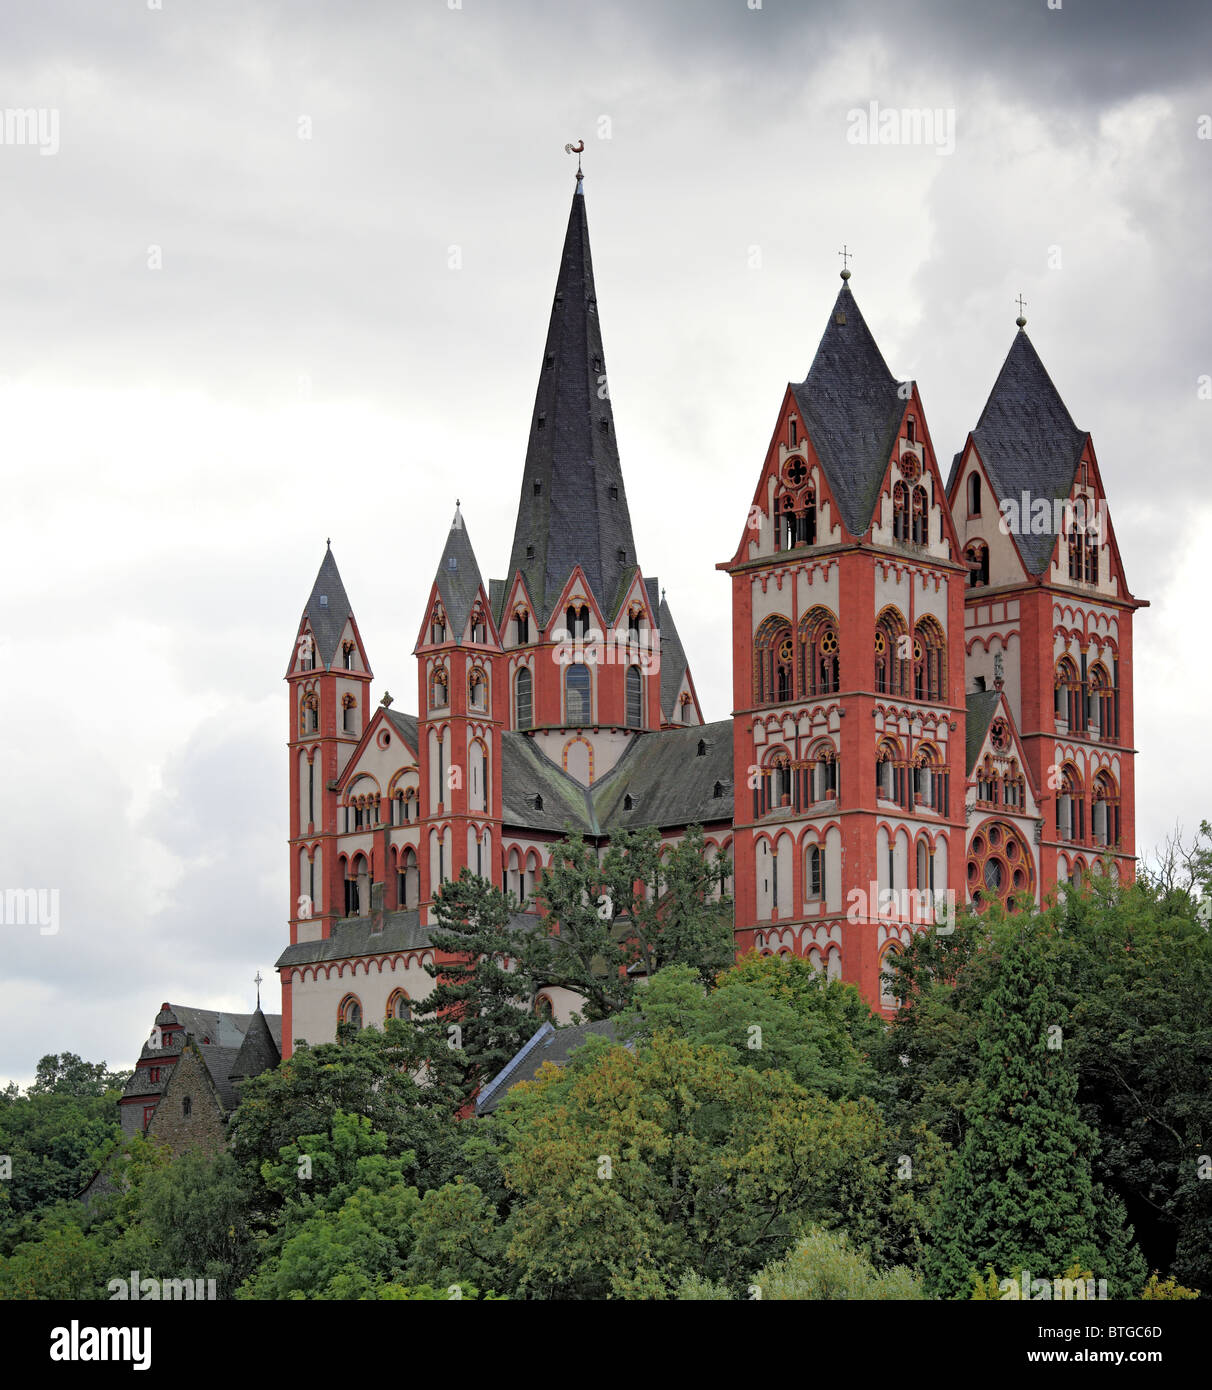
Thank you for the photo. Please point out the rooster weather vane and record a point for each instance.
(577, 150)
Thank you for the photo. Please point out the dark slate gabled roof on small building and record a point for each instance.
(669, 783)
(549, 1044)
(579, 514)
(851, 410)
(219, 1062)
(458, 577)
(981, 706)
(327, 619)
(1028, 443)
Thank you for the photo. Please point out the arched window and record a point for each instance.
(920, 530)
(1070, 806)
(437, 624)
(543, 1009)
(822, 772)
(348, 714)
(1066, 695)
(1104, 811)
(439, 688)
(408, 880)
(310, 719)
(889, 999)
(773, 662)
(976, 553)
(187, 1106)
(974, 493)
(892, 652)
(686, 708)
(889, 774)
(349, 1011)
(635, 698)
(347, 653)
(814, 873)
(477, 688)
(929, 661)
(523, 685)
(479, 625)
(1100, 712)
(521, 620)
(900, 512)
(578, 621)
(930, 779)
(578, 694)
(398, 1005)
(819, 655)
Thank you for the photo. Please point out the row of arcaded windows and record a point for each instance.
(578, 697)
(1086, 701)
(349, 1010)
(804, 664)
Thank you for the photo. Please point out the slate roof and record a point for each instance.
(458, 577)
(1028, 442)
(327, 620)
(673, 661)
(572, 455)
(549, 1044)
(669, 783)
(851, 411)
(228, 1034)
(219, 1062)
(258, 1052)
(402, 931)
(527, 772)
(406, 726)
(981, 706)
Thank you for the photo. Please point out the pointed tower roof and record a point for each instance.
(258, 1052)
(673, 661)
(851, 411)
(327, 609)
(1028, 442)
(573, 506)
(458, 577)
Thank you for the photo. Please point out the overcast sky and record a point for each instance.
(272, 272)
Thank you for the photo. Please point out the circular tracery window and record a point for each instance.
(999, 735)
(911, 469)
(786, 650)
(999, 864)
(795, 472)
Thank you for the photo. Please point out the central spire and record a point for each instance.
(573, 507)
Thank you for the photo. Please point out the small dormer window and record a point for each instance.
(323, 600)
(614, 492)
(718, 790)
(540, 422)
(538, 803)
(452, 562)
(702, 753)
(538, 487)
(604, 426)
(530, 552)
(622, 556)
(628, 802)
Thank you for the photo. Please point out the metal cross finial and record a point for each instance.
(328, 542)
(1022, 303)
(257, 982)
(846, 255)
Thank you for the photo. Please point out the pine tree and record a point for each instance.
(1020, 1194)
(481, 1010)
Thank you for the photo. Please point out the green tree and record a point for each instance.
(824, 1265)
(632, 1168)
(1020, 1194)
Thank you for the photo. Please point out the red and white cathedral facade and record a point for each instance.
(932, 685)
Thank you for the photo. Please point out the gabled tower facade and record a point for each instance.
(459, 730)
(329, 677)
(1048, 616)
(848, 724)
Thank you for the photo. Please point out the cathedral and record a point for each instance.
(932, 685)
